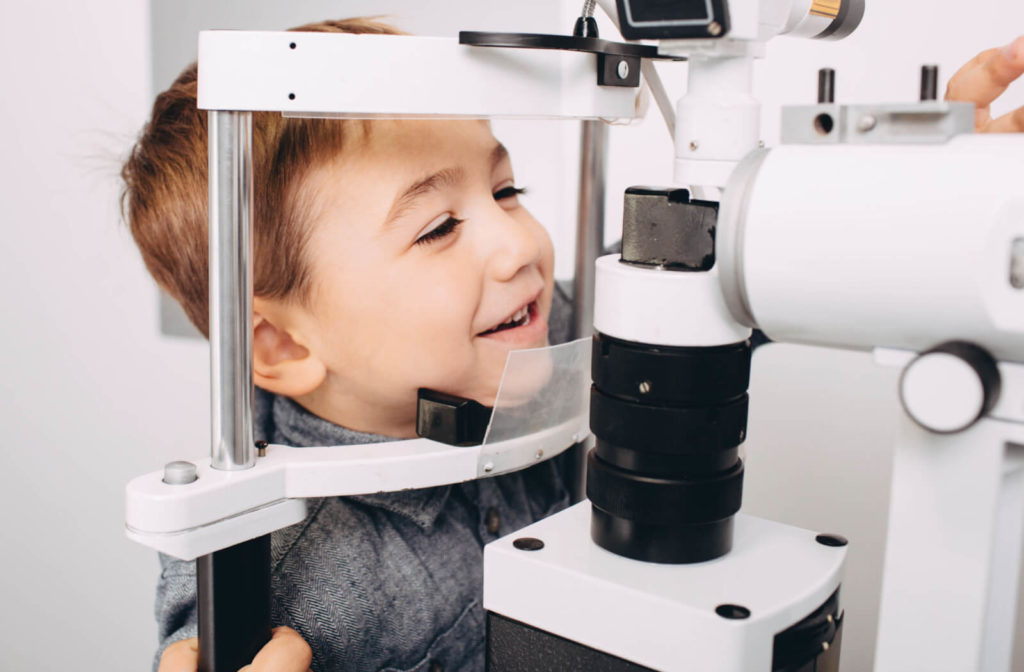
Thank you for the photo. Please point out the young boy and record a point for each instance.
(389, 256)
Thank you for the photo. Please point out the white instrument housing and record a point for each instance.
(898, 246)
(662, 616)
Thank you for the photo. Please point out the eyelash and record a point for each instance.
(440, 232)
(451, 224)
(508, 192)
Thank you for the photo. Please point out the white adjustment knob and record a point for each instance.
(950, 387)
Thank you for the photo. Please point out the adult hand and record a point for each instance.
(285, 652)
(983, 79)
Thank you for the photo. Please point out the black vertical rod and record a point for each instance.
(233, 593)
(826, 85)
(929, 82)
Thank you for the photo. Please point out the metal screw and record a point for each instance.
(693, 145)
(623, 70)
(489, 467)
(714, 29)
(645, 386)
(867, 123)
(179, 473)
(539, 454)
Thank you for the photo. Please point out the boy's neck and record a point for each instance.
(358, 414)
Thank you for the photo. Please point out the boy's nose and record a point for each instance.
(514, 246)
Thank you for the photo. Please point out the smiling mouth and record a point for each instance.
(520, 318)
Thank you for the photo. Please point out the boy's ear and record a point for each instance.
(281, 363)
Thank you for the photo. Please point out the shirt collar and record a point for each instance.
(281, 420)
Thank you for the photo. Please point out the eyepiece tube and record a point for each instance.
(824, 19)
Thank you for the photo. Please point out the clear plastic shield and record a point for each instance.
(542, 407)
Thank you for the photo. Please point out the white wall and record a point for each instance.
(92, 395)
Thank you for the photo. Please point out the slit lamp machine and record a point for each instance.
(889, 228)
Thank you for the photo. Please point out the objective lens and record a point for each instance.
(665, 478)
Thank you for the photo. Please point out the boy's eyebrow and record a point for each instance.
(498, 154)
(442, 178)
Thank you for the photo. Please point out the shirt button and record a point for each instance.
(492, 520)
(435, 666)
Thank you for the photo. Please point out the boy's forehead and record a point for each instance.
(410, 137)
(389, 157)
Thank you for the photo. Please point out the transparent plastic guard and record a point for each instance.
(542, 407)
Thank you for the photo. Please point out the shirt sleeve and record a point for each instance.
(175, 607)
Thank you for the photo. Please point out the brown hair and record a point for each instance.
(165, 190)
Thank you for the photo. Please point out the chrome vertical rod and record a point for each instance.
(230, 208)
(589, 246)
(589, 223)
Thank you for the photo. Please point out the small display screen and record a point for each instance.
(658, 11)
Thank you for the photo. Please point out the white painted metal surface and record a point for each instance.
(646, 305)
(221, 507)
(718, 120)
(802, 23)
(218, 534)
(326, 74)
(942, 392)
(953, 555)
(881, 246)
(662, 616)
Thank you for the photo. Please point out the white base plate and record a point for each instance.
(662, 616)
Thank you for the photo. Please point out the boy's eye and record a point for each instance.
(511, 191)
(439, 228)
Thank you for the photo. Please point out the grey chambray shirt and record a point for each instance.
(389, 581)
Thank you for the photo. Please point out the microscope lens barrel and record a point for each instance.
(895, 246)
(668, 406)
(824, 19)
(665, 478)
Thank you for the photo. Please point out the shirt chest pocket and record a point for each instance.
(460, 648)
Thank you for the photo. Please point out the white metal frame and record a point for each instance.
(953, 551)
(326, 74)
(222, 506)
(663, 616)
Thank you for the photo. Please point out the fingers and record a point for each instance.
(285, 652)
(181, 656)
(1008, 123)
(986, 76)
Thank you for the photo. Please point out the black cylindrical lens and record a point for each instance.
(664, 478)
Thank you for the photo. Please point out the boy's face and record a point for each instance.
(426, 272)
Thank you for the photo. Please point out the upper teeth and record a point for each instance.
(520, 314)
